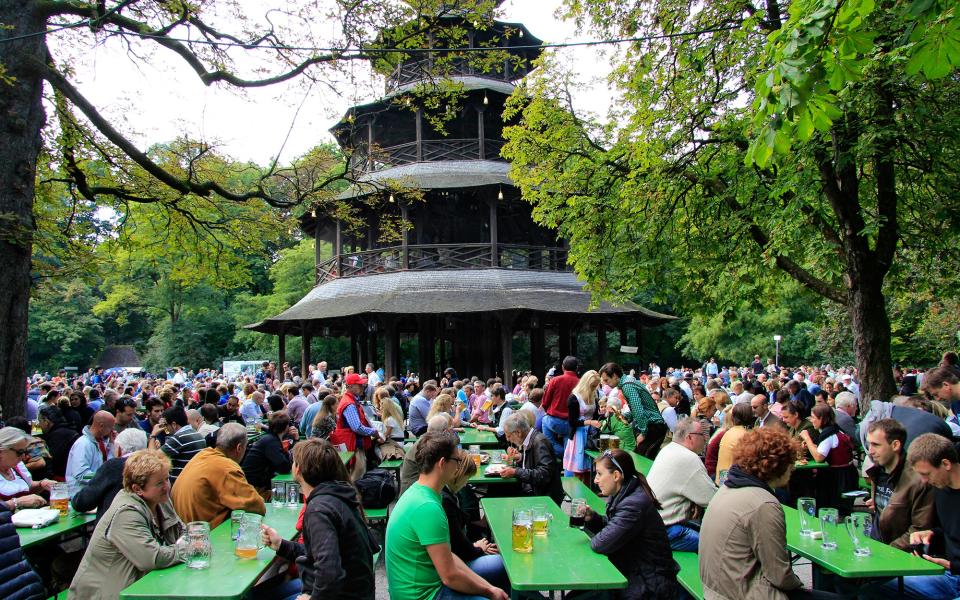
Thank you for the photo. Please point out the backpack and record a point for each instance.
(377, 488)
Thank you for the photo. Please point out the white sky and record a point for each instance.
(158, 99)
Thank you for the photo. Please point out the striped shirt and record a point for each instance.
(181, 447)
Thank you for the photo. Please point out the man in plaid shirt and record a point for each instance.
(647, 422)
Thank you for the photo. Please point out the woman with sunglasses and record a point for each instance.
(17, 489)
(632, 533)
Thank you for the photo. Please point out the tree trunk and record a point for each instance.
(871, 334)
(21, 119)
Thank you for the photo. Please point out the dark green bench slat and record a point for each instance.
(689, 575)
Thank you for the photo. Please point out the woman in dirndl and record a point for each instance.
(581, 415)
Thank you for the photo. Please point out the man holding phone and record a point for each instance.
(901, 502)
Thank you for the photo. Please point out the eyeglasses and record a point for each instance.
(20, 453)
(609, 454)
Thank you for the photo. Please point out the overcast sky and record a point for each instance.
(158, 99)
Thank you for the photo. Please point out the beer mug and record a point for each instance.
(475, 455)
(236, 519)
(807, 511)
(578, 513)
(279, 494)
(60, 498)
(293, 495)
(194, 546)
(541, 520)
(858, 528)
(523, 531)
(829, 519)
(249, 539)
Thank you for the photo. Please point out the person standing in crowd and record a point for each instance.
(743, 540)
(647, 421)
(212, 484)
(270, 454)
(901, 503)
(632, 533)
(335, 558)
(537, 469)
(182, 442)
(554, 404)
(91, 450)
(581, 416)
(420, 408)
(420, 563)
(934, 459)
(59, 437)
(136, 535)
(101, 490)
(353, 430)
(680, 482)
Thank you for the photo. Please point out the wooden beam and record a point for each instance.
(281, 352)
(304, 349)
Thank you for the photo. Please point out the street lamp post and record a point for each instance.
(777, 339)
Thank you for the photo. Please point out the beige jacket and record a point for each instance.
(743, 547)
(727, 444)
(126, 544)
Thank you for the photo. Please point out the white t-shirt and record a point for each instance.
(396, 431)
(669, 415)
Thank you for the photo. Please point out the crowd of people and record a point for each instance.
(150, 455)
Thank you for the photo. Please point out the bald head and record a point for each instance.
(102, 424)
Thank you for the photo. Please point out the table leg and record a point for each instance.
(900, 586)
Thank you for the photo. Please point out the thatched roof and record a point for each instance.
(449, 292)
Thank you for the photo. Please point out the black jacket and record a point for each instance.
(100, 491)
(264, 459)
(336, 557)
(59, 440)
(460, 544)
(539, 473)
(633, 536)
(18, 581)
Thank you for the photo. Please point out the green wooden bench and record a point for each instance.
(574, 488)
(377, 514)
(689, 575)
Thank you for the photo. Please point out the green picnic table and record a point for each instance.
(391, 465)
(481, 477)
(809, 465)
(640, 462)
(884, 560)
(576, 489)
(228, 578)
(582, 568)
(345, 455)
(472, 437)
(285, 477)
(71, 524)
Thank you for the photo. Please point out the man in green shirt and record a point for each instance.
(420, 564)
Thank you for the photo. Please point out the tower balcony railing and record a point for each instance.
(432, 257)
(425, 69)
(363, 161)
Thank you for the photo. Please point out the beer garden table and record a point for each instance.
(473, 437)
(228, 578)
(72, 524)
(801, 466)
(562, 560)
(884, 560)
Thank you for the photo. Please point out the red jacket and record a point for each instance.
(557, 393)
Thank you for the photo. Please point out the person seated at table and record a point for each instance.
(136, 535)
(420, 563)
(900, 501)
(444, 403)
(632, 533)
(420, 407)
(36, 462)
(833, 447)
(481, 556)
(743, 539)
(20, 581)
(59, 437)
(335, 558)
(935, 460)
(741, 417)
(270, 454)
(212, 484)
(410, 469)
(182, 441)
(17, 489)
(108, 480)
(614, 423)
(537, 470)
(230, 411)
(497, 412)
(681, 483)
(91, 450)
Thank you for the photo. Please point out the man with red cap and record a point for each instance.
(353, 429)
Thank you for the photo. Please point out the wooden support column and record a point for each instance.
(316, 243)
(601, 343)
(425, 347)
(391, 347)
(405, 251)
(338, 249)
(372, 345)
(537, 356)
(506, 319)
(281, 352)
(304, 348)
(419, 135)
(563, 337)
(480, 133)
(639, 329)
(494, 235)
(354, 345)
(623, 335)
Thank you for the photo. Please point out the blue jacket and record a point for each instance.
(18, 581)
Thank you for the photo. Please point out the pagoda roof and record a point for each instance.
(450, 292)
(433, 175)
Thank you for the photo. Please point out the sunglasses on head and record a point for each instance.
(616, 465)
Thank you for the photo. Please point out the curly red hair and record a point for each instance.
(765, 453)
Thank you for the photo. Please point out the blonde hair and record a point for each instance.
(141, 466)
(720, 398)
(705, 404)
(388, 409)
(586, 388)
(466, 468)
(441, 404)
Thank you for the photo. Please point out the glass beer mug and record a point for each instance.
(249, 539)
(523, 531)
(541, 520)
(194, 545)
(60, 498)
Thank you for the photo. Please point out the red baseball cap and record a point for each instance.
(354, 379)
